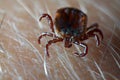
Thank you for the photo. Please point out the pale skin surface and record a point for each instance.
(21, 57)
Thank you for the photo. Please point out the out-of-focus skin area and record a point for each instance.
(22, 58)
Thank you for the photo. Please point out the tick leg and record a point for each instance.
(97, 39)
(49, 20)
(91, 34)
(94, 28)
(85, 49)
(97, 31)
(46, 34)
(51, 42)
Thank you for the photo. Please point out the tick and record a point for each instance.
(70, 28)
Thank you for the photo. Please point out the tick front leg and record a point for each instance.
(46, 34)
(51, 42)
(50, 21)
(85, 49)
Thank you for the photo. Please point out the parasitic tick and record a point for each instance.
(70, 28)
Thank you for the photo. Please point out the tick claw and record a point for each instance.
(81, 55)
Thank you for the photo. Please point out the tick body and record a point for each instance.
(71, 28)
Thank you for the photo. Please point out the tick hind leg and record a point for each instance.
(49, 20)
(85, 49)
(51, 42)
(92, 30)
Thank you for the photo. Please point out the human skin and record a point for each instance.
(21, 57)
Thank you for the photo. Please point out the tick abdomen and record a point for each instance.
(70, 21)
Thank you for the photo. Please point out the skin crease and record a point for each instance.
(22, 58)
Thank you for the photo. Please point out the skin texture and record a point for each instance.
(71, 25)
(22, 58)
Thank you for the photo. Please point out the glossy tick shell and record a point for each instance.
(70, 22)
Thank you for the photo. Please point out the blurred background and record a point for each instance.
(22, 58)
